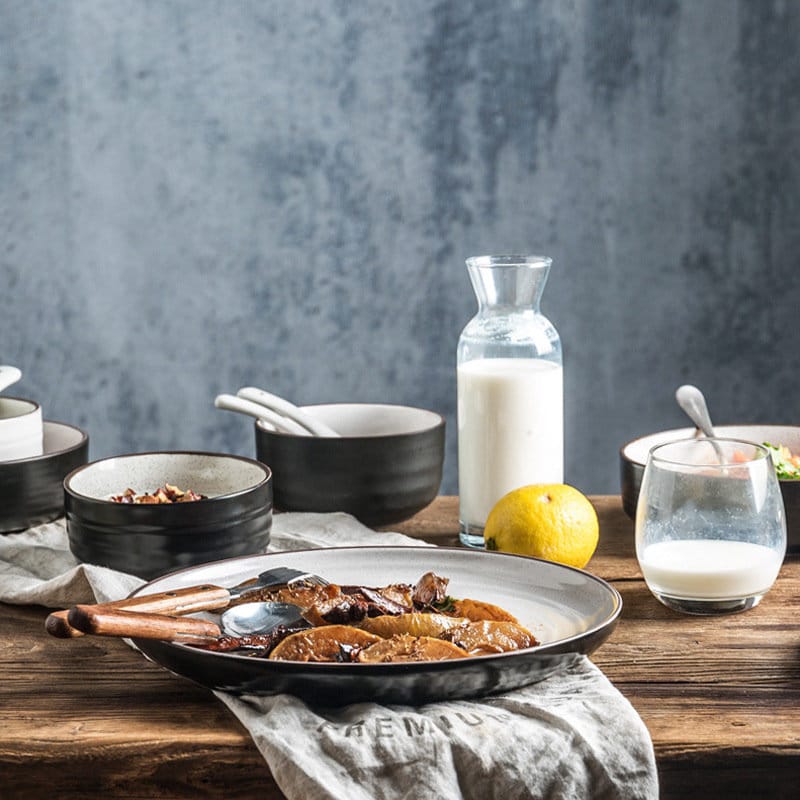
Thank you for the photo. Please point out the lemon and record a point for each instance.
(552, 521)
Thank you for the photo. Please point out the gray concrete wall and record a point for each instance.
(201, 194)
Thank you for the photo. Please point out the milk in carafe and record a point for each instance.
(510, 389)
(510, 426)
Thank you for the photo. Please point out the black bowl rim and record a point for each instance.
(89, 501)
(385, 437)
(624, 457)
(52, 453)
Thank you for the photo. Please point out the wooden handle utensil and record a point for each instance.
(179, 601)
(104, 621)
(204, 597)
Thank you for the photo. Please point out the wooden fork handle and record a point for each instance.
(178, 601)
(102, 621)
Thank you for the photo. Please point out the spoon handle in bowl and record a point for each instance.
(139, 625)
(8, 376)
(287, 409)
(230, 402)
(177, 601)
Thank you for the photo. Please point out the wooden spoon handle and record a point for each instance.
(102, 621)
(58, 625)
(178, 601)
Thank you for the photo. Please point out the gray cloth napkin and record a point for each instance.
(572, 735)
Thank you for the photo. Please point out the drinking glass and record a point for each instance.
(710, 525)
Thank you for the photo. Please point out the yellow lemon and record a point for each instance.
(552, 521)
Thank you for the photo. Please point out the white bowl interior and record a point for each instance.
(59, 437)
(787, 435)
(374, 419)
(14, 408)
(204, 473)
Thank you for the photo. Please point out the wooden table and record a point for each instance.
(721, 697)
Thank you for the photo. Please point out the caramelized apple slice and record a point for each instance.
(488, 636)
(412, 624)
(325, 643)
(410, 648)
(477, 610)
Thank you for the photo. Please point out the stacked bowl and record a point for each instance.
(231, 517)
(35, 455)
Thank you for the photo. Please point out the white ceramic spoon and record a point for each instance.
(8, 376)
(230, 402)
(287, 409)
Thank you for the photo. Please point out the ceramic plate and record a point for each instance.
(568, 610)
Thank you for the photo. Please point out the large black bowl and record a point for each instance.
(31, 489)
(384, 468)
(633, 457)
(147, 540)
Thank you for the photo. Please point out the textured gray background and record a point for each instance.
(201, 194)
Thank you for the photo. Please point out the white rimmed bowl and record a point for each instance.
(384, 467)
(31, 489)
(235, 519)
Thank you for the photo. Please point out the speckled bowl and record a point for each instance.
(235, 519)
(633, 457)
(385, 466)
(31, 489)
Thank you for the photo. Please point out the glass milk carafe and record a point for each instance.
(510, 389)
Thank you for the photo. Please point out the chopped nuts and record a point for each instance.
(164, 494)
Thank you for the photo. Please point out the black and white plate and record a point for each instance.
(568, 610)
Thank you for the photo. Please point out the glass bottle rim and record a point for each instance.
(510, 261)
(759, 452)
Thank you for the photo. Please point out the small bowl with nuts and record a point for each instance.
(150, 513)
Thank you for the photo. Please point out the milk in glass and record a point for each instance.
(709, 569)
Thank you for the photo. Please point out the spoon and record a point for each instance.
(287, 409)
(691, 400)
(230, 402)
(259, 617)
(8, 376)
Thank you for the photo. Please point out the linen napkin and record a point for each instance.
(572, 735)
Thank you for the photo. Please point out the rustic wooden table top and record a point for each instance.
(721, 697)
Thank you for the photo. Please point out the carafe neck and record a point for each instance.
(508, 282)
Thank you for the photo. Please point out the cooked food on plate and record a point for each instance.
(399, 622)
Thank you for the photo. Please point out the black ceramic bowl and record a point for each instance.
(385, 466)
(31, 489)
(633, 457)
(235, 519)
